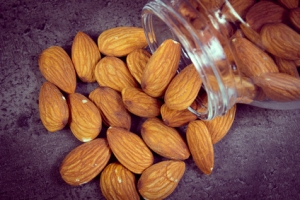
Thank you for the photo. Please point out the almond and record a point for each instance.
(265, 12)
(85, 56)
(281, 41)
(140, 103)
(247, 91)
(251, 34)
(201, 146)
(177, 118)
(253, 60)
(294, 16)
(183, 88)
(289, 4)
(118, 183)
(85, 119)
(240, 7)
(287, 66)
(219, 126)
(279, 86)
(136, 62)
(85, 162)
(113, 72)
(161, 179)
(161, 68)
(111, 106)
(53, 107)
(57, 67)
(164, 140)
(130, 150)
(120, 41)
(212, 4)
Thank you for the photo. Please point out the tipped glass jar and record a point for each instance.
(245, 51)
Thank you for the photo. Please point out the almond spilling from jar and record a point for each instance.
(85, 119)
(183, 88)
(130, 150)
(164, 140)
(120, 41)
(161, 68)
(85, 162)
(57, 67)
(85, 56)
(53, 107)
(111, 106)
(118, 183)
(161, 179)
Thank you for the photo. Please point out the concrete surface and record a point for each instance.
(258, 159)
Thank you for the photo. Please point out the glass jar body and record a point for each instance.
(230, 51)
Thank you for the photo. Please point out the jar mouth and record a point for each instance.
(161, 21)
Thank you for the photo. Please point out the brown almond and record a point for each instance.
(219, 126)
(200, 145)
(294, 16)
(53, 107)
(164, 140)
(240, 7)
(113, 72)
(140, 103)
(111, 106)
(118, 183)
(279, 86)
(289, 4)
(85, 119)
(247, 91)
(130, 150)
(251, 34)
(120, 41)
(281, 41)
(287, 66)
(136, 62)
(183, 88)
(161, 68)
(265, 12)
(85, 56)
(57, 67)
(161, 179)
(253, 60)
(85, 162)
(177, 118)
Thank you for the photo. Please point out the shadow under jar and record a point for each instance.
(241, 51)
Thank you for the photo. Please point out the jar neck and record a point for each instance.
(164, 19)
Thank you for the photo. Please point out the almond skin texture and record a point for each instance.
(85, 119)
(183, 88)
(201, 146)
(85, 162)
(161, 179)
(281, 41)
(57, 67)
(177, 118)
(111, 107)
(265, 12)
(85, 56)
(140, 103)
(254, 61)
(113, 72)
(130, 150)
(163, 140)
(118, 183)
(289, 4)
(53, 107)
(241, 7)
(287, 66)
(219, 126)
(120, 41)
(136, 62)
(294, 16)
(279, 86)
(161, 68)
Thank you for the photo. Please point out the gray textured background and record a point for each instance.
(258, 159)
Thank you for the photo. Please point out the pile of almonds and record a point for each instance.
(134, 82)
(131, 82)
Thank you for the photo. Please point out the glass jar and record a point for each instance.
(212, 35)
